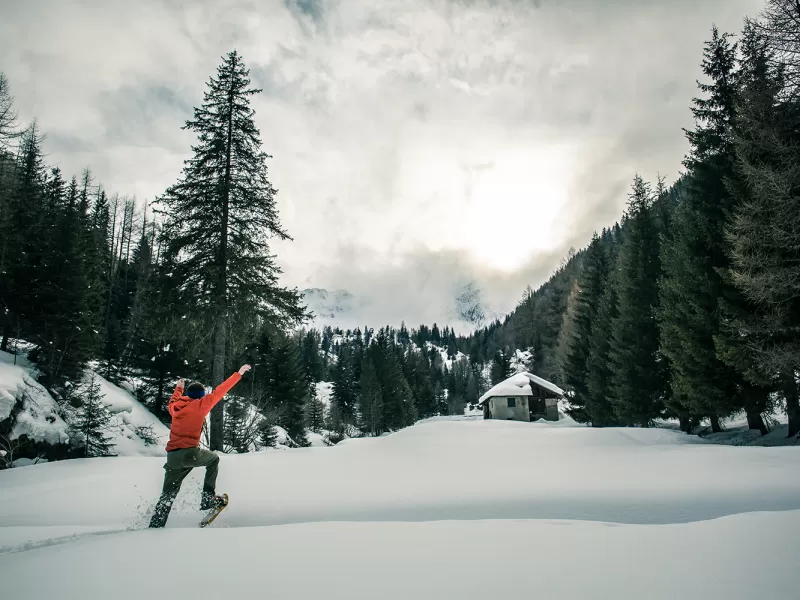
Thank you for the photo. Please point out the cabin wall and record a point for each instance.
(552, 409)
(500, 409)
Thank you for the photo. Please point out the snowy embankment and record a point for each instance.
(38, 417)
(33, 410)
(448, 508)
(128, 415)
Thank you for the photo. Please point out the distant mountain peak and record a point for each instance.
(341, 308)
(470, 307)
(328, 305)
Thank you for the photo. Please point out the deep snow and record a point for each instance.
(437, 560)
(448, 508)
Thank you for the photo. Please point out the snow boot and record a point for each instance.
(162, 510)
(209, 501)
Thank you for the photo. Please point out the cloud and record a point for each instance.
(312, 9)
(421, 287)
(423, 141)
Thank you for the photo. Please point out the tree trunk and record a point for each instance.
(790, 392)
(686, 423)
(218, 376)
(756, 421)
(6, 334)
(220, 321)
(755, 403)
(715, 425)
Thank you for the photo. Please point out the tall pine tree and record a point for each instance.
(64, 326)
(285, 384)
(693, 287)
(343, 397)
(763, 231)
(591, 285)
(501, 367)
(638, 373)
(221, 215)
(599, 407)
(370, 398)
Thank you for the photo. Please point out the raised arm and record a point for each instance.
(176, 394)
(209, 401)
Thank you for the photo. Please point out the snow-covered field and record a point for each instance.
(449, 508)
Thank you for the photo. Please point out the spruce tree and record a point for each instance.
(8, 169)
(473, 388)
(91, 422)
(416, 369)
(267, 434)
(241, 425)
(566, 333)
(343, 397)
(780, 26)
(397, 400)
(8, 116)
(370, 399)
(141, 269)
(44, 275)
(64, 326)
(23, 277)
(452, 346)
(638, 374)
(763, 230)
(440, 394)
(286, 382)
(702, 385)
(95, 254)
(599, 391)
(591, 285)
(315, 414)
(221, 215)
(164, 335)
(311, 357)
(501, 367)
(693, 286)
(760, 84)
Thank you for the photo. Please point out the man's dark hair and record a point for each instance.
(195, 390)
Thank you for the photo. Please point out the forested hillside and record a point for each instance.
(689, 307)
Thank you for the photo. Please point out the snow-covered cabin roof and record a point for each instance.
(519, 385)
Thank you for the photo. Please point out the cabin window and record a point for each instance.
(512, 402)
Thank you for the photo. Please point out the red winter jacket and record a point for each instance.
(189, 414)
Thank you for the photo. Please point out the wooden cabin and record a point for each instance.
(522, 397)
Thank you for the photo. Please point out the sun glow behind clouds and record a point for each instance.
(514, 208)
(500, 207)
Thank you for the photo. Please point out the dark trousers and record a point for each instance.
(179, 465)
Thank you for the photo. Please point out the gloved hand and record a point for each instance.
(244, 369)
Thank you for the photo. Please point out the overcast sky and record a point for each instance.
(417, 144)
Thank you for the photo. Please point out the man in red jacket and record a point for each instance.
(183, 452)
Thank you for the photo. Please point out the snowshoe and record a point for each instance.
(218, 505)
